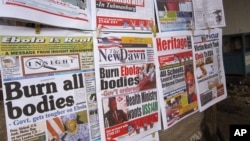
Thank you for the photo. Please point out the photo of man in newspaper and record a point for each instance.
(68, 128)
(9, 62)
(114, 116)
(190, 82)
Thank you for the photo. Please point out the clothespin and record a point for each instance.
(98, 30)
(37, 28)
(191, 27)
(153, 134)
(208, 28)
(153, 28)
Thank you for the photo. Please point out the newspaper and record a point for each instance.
(125, 15)
(177, 91)
(48, 83)
(174, 15)
(126, 86)
(209, 67)
(208, 14)
(77, 14)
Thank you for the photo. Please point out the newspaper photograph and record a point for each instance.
(77, 14)
(178, 98)
(48, 86)
(209, 67)
(173, 15)
(208, 14)
(125, 15)
(126, 86)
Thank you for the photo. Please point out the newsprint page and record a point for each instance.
(173, 15)
(209, 67)
(48, 85)
(208, 14)
(126, 86)
(177, 88)
(125, 15)
(77, 14)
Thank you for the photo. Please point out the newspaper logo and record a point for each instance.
(121, 55)
(54, 63)
(172, 43)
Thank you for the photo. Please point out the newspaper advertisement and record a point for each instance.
(208, 14)
(173, 15)
(48, 83)
(125, 15)
(75, 14)
(126, 86)
(175, 63)
(209, 67)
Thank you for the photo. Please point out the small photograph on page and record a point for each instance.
(10, 61)
(115, 111)
(147, 79)
(73, 126)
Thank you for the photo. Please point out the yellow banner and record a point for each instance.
(24, 45)
(136, 40)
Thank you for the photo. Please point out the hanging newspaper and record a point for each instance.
(208, 14)
(209, 67)
(76, 14)
(126, 86)
(174, 15)
(125, 15)
(175, 63)
(48, 84)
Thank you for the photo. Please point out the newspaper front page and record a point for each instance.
(125, 15)
(177, 89)
(126, 86)
(208, 14)
(77, 14)
(48, 83)
(209, 67)
(173, 15)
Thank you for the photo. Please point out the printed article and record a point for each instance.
(126, 86)
(178, 90)
(77, 14)
(208, 14)
(48, 85)
(125, 15)
(173, 15)
(209, 67)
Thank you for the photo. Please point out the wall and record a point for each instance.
(237, 14)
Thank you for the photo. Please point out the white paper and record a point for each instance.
(174, 55)
(77, 14)
(209, 67)
(121, 82)
(173, 15)
(132, 16)
(62, 83)
(208, 14)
